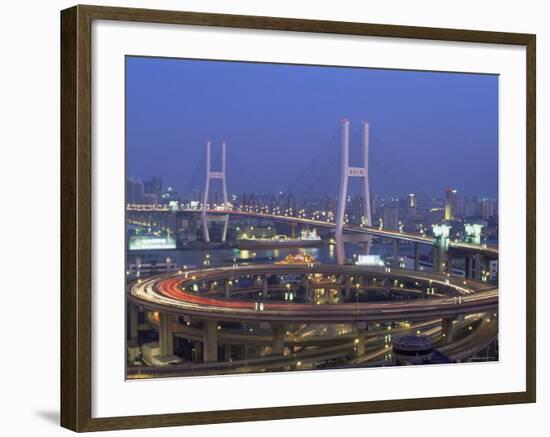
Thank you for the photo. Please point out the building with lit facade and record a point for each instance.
(451, 200)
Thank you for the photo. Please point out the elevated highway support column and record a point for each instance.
(416, 256)
(133, 334)
(227, 288)
(278, 342)
(478, 267)
(210, 341)
(307, 288)
(469, 267)
(264, 287)
(439, 259)
(435, 258)
(360, 339)
(227, 352)
(197, 352)
(447, 330)
(440, 247)
(474, 266)
(347, 288)
(395, 253)
(387, 288)
(166, 334)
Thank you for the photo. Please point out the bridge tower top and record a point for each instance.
(212, 174)
(347, 172)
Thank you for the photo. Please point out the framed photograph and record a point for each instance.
(268, 218)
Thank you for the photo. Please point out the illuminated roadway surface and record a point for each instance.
(375, 351)
(166, 293)
(487, 250)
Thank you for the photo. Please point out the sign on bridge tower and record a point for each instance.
(210, 174)
(349, 172)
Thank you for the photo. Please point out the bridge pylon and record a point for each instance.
(346, 173)
(210, 174)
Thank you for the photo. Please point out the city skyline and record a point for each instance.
(342, 220)
(437, 196)
(187, 102)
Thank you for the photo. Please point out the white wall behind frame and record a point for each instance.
(30, 69)
(114, 397)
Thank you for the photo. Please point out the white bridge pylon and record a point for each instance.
(210, 174)
(346, 173)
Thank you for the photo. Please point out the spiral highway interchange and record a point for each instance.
(205, 298)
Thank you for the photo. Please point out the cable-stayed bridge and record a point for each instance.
(202, 305)
(475, 255)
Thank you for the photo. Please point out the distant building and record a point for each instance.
(410, 206)
(373, 205)
(487, 209)
(412, 201)
(391, 217)
(451, 199)
(493, 270)
(136, 193)
(356, 209)
(471, 207)
(153, 186)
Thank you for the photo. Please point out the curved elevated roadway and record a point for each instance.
(168, 293)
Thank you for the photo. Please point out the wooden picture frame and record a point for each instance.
(76, 217)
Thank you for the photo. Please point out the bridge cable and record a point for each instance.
(313, 163)
(402, 168)
(195, 175)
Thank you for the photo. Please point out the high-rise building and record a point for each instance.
(470, 207)
(412, 201)
(451, 197)
(134, 191)
(137, 194)
(356, 209)
(458, 211)
(153, 186)
(487, 209)
(391, 217)
(329, 204)
(373, 204)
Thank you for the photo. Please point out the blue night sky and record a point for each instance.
(430, 130)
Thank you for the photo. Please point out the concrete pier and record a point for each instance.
(416, 256)
(227, 289)
(447, 330)
(166, 334)
(210, 341)
(278, 342)
(395, 253)
(360, 339)
(264, 287)
(347, 287)
(134, 323)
